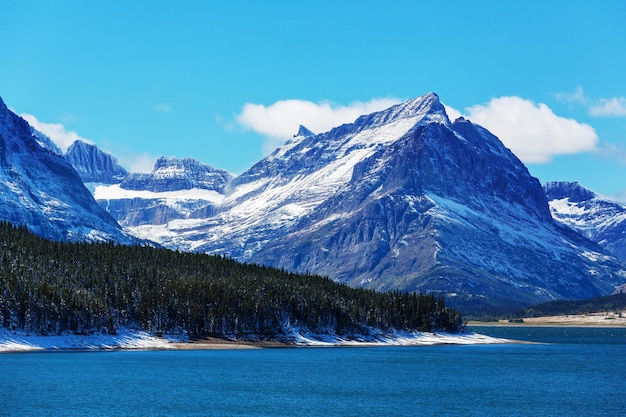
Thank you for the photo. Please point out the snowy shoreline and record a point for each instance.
(19, 341)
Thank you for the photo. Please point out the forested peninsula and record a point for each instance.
(51, 287)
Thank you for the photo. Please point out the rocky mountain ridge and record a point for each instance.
(176, 189)
(600, 219)
(42, 191)
(94, 165)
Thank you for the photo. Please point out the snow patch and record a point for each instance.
(394, 338)
(115, 192)
(20, 341)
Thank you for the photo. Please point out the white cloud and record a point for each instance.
(280, 121)
(452, 113)
(577, 97)
(143, 162)
(612, 151)
(532, 131)
(602, 107)
(55, 131)
(607, 107)
(620, 196)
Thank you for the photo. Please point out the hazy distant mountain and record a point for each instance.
(599, 219)
(400, 199)
(174, 174)
(176, 189)
(42, 191)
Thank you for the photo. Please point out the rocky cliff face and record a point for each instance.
(175, 174)
(599, 219)
(42, 191)
(176, 189)
(94, 165)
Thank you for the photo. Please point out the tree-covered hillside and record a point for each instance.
(50, 287)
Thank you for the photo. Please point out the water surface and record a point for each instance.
(578, 372)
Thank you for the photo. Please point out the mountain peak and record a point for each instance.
(303, 132)
(94, 165)
(556, 190)
(598, 218)
(426, 108)
(172, 173)
(42, 191)
(174, 161)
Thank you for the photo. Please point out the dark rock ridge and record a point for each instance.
(43, 192)
(94, 165)
(45, 141)
(599, 219)
(173, 174)
(304, 132)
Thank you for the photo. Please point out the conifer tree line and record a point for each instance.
(50, 287)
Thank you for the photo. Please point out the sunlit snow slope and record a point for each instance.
(600, 219)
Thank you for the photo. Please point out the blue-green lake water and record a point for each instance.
(574, 372)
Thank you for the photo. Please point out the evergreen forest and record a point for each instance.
(51, 287)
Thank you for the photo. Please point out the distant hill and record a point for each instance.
(609, 303)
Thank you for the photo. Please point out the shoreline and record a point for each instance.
(13, 341)
(126, 339)
(602, 320)
(216, 343)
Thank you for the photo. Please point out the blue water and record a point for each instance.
(580, 372)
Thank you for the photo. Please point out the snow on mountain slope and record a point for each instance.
(599, 219)
(290, 183)
(446, 207)
(41, 190)
(400, 199)
(177, 188)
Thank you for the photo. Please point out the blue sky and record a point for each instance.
(204, 78)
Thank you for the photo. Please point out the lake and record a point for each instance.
(573, 372)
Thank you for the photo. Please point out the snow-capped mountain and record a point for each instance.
(94, 165)
(599, 219)
(400, 199)
(42, 191)
(177, 188)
